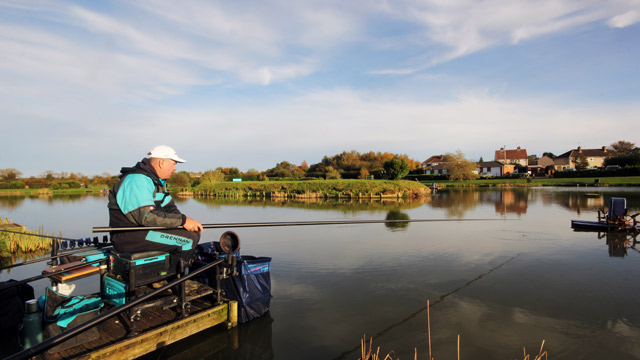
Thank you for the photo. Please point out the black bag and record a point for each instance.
(12, 300)
(251, 288)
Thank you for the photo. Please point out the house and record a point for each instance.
(583, 158)
(494, 168)
(545, 161)
(516, 156)
(434, 165)
(541, 168)
(436, 170)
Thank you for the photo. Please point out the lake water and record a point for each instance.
(521, 277)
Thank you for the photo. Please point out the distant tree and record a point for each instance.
(251, 175)
(458, 167)
(581, 162)
(304, 166)
(396, 168)
(212, 176)
(180, 179)
(9, 174)
(549, 154)
(232, 171)
(630, 159)
(282, 170)
(481, 160)
(332, 173)
(622, 147)
(363, 173)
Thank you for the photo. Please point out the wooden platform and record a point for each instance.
(158, 328)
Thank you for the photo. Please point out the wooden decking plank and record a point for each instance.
(163, 336)
(158, 328)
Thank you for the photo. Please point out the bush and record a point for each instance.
(12, 185)
(625, 171)
(396, 168)
(624, 160)
(426, 177)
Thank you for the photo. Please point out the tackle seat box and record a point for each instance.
(127, 271)
(140, 268)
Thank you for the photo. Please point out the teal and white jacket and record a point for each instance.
(140, 198)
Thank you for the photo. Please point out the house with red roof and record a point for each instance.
(516, 156)
(434, 165)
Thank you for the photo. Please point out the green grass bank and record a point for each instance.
(315, 189)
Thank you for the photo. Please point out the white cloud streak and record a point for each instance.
(466, 26)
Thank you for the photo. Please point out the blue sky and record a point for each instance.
(91, 86)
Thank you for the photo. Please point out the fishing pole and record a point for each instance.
(70, 252)
(64, 242)
(40, 235)
(285, 223)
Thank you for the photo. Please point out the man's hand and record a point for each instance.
(192, 225)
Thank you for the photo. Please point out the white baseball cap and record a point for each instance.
(165, 152)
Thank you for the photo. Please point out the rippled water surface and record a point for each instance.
(519, 277)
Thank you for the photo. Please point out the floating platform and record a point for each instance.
(157, 328)
(601, 226)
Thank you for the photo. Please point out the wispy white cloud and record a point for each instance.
(464, 27)
(627, 19)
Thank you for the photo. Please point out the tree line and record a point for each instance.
(346, 165)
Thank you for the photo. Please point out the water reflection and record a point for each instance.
(397, 215)
(333, 284)
(11, 201)
(344, 205)
(250, 341)
(516, 201)
(15, 201)
(457, 202)
(512, 202)
(618, 243)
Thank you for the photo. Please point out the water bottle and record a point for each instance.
(32, 324)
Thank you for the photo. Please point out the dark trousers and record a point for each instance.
(174, 241)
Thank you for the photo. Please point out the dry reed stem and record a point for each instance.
(540, 355)
(376, 356)
(429, 329)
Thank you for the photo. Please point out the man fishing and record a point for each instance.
(140, 198)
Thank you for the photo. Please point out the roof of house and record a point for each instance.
(511, 154)
(489, 164)
(434, 159)
(602, 152)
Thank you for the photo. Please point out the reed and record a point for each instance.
(368, 354)
(27, 241)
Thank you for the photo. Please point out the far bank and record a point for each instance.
(315, 189)
(583, 181)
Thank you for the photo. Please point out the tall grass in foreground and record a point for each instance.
(27, 241)
(368, 354)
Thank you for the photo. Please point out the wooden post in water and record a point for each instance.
(233, 314)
